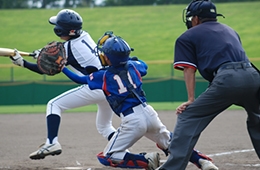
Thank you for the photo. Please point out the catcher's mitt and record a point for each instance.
(52, 58)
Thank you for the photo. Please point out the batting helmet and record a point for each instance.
(117, 50)
(200, 8)
(67, 23)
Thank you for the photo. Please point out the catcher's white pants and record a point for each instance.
(143, 122)
(83, 96)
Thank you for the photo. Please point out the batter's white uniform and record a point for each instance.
(81, 54)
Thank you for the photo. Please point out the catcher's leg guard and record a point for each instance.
(129, 161)
(196, 155)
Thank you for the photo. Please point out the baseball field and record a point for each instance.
(225, 140)
(151, 30)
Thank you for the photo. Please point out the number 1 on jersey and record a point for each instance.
(122, 88)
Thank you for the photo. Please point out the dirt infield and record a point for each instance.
(225, 140)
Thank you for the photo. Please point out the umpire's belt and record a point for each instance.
(233, 65)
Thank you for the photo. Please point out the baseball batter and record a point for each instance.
(122, 85)
(82, 60)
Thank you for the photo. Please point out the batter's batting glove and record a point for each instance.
(17, 59)
(36, 53)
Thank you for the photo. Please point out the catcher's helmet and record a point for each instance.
(200, 8)
(117, 50)
(67, 23)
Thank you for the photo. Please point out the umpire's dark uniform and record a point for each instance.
(215, 50)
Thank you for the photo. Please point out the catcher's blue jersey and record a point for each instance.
(114, 87)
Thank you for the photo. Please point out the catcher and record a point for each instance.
(122, 84)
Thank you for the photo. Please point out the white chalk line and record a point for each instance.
(230, 153)
(226, 153)
(244, 165)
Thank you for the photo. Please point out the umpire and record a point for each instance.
(215, 50)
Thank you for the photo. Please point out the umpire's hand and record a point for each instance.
(183, 106)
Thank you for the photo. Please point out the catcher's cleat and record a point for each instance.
(153, 160)
(45, 150)
(207, 165)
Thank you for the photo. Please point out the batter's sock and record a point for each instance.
(53, 123)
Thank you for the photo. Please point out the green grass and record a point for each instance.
(16, 109)
(150, 30)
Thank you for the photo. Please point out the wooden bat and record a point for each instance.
(10, 52)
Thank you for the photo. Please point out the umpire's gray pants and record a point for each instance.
(230, 86)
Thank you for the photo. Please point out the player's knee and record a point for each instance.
(53, 108)
(106, 131)
(129, 161)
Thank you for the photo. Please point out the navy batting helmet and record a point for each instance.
(117, 50)
(67, 23)
(200, 8)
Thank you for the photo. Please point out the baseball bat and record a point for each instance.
(10, 52)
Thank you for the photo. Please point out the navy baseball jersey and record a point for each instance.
(114, 87)
(190, 48)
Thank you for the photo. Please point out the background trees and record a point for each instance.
(19, 4)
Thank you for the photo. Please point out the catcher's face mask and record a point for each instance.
(190, 11)
(100, 43)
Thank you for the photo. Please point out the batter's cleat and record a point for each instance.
(45, 150)
(153, 160)
(207, 165)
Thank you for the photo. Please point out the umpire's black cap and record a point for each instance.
(202, 8)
